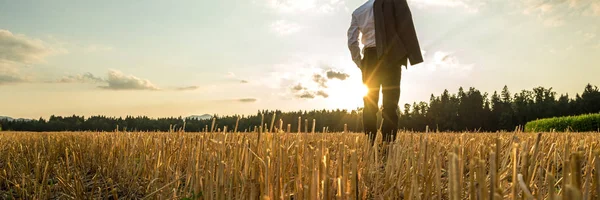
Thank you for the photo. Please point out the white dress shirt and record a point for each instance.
(363, 21)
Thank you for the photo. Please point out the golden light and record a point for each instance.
(362, 90)
(346, 95)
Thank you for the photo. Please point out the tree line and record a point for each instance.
(467, 110)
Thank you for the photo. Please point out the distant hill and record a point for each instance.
(6, 118)
(200, 117)
(13, 119)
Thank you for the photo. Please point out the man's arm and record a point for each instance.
(353, 45)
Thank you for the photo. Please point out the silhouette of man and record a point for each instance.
(390, 41)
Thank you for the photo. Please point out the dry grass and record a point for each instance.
(121, 165)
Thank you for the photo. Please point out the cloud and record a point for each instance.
(230, 75)
(305, 6)
(298, 87)
(118, 81)
(554, 13)
(306, 78)
(447, 62)
(554, 22)
(311, 81)
(550, 13)
(11, 78)
(97, 48)
(302, 92)
(470, 5)
(306, 95)
(248, 100)
(589, 36)
(319, 79)
(9, 75)
(20, 49)
(331, 74)
(283, 27)
(596, 8)
(233, 76)
(81, 78)
(187, 88)
(312, 95)
(322, 93)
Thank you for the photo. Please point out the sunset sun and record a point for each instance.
(362, 90)
(347, 95)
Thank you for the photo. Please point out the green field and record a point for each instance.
(581, 123)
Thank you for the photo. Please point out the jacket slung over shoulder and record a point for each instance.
(395, 33)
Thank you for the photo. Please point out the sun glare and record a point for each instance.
(346, 95)
(362, 90)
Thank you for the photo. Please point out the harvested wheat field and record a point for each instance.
(132, 165)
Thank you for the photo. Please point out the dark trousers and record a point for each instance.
(375, 74)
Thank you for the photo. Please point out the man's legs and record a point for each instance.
(391, 96)
(370, 111)
(371, 78)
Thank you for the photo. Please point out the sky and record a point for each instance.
(187, 57)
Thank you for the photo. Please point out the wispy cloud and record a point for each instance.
(319, 79)
(97, 48)
(550, 13)
(555, 13)
(312, 94)
(284, 27)
(81, 78)
(287, 9)
(447, 62)
(470, 5)
(595, 8)
(118, 81)
(248, 100)
(305, 6)
(331, 74)
(187, 88)
(20, 49)
(322, 93)
(589, 36)
(553, 22)
(17, 50)
(298, 87)
(230, 75)
(11, 75)
(305, 76)
(234, 77)
(315, 86)
(306, 95)
(11, 78)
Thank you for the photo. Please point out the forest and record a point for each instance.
(466, 110)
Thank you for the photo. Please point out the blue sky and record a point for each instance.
(180, 58)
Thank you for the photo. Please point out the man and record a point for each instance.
(390, 41)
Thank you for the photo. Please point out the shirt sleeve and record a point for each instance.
(353, 45)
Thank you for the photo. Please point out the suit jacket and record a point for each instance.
(395, 33)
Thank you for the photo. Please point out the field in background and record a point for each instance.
(124, 165)
(580, 123)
